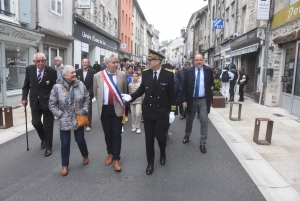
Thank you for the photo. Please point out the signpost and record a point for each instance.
(263, 9)
(217, 23)
(83, 4)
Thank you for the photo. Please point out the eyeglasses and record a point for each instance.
(39, 61)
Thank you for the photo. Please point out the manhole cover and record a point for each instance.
(278, 115)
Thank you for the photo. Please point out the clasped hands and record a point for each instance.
(127, 98)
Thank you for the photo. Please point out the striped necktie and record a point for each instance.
(40, 77)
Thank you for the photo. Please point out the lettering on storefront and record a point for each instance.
(9, 34)
(247, 39)
(16, 62)
(286, 15)
(295, 35)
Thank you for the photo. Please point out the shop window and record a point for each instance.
(297, 77)
(56, 7)
(16, 62)
(51, 53)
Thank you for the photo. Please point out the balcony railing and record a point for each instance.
(6, 13)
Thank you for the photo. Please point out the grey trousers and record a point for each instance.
(201, 104)
(90, 112)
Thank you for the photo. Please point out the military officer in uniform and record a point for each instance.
(158, 106)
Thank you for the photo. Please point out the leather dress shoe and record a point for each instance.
(185, 139)
(43, 144)
(203, 149)
(85, 160)
(48, 152)
(162, 159)
(149, 169)
(109, 159)
(64, 170)
(117, 165)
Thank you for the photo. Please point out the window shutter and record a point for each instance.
(25, 11)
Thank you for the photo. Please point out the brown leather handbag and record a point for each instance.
(81, 120)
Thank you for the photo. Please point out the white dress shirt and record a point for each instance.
(106, 89)
(157, 73)
(38, 72)
(201, 86)
(84, 74)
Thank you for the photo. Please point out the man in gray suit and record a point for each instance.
(110, 110)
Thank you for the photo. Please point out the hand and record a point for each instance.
(126, 97)
(184, 104)
(24, 103)
(212, 88)
(171, 117)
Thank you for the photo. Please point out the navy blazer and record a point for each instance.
(189, 84)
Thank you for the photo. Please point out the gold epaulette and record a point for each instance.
(169, 70)
(146, 69)
(173, 107)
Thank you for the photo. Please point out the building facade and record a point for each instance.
(126, 29)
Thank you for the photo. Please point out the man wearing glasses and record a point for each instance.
(39, 80)
(158, 106)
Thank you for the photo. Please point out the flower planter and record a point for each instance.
(218, 102)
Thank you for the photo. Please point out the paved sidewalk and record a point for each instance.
(274, 168)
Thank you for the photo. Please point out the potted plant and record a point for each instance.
(218, 99)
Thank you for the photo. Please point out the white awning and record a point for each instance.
(244, 50)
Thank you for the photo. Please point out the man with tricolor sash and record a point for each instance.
(158, 106)
(108, 86)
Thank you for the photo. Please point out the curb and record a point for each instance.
(271, 184)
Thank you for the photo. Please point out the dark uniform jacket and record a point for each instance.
(189, 84)
(38, 92)
(159, 99)
(89, 80)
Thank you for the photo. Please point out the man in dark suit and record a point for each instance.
(197, 94)
(86, 75)
(158, 106)
(39, 80)
(96, 67)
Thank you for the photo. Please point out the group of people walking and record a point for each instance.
(67, 93)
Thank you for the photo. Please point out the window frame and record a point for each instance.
(56, 6)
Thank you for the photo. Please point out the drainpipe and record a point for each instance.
(37, 19)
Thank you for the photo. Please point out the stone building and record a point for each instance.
(283, 80)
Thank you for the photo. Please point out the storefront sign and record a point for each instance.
(263, 9)
(83, 3)
(85, 34)
(84, 47)
(245, 40)
(288, 14)
(19, 35)
(217, 58)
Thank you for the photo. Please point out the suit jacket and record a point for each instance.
(189, 84)
(99, 91)
(159, 99)
(88, 82)
(38, 91)
(97, 67)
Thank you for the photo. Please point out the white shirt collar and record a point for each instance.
(38, 70)
(158, 71)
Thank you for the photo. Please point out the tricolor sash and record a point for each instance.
(114, 89)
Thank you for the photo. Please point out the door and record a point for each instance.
(296, 86)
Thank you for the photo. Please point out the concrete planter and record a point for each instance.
(218, 102)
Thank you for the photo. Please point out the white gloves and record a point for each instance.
(171, 117)
(126, 97)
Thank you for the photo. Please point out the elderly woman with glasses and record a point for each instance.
(67, 94)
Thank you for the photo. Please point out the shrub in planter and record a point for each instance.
(218, 99)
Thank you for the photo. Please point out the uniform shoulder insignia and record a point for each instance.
(146, 69)
(169, 70)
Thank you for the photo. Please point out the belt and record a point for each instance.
(200, 97)
(107, 106)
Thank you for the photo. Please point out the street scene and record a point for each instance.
(150, 100)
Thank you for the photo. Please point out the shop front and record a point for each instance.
(92, 43)
(17, 47)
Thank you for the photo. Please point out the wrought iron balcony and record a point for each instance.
(6, 13)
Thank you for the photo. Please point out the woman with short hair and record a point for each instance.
(68, 95)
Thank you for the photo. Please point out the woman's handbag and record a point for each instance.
(81, 120)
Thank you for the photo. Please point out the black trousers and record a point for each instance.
(90, 112)
(241, 92)
(231, 90)
(155, 129)
(112, 127)
(45, 129)
(182, 111)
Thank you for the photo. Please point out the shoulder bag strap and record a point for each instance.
(72, 104)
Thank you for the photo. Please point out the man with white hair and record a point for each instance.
(58, 66)
(108, 86)
(39, 80)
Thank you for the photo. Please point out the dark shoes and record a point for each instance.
(149, 169)
(43, 144)
(162, 159)
(48, 152)
(241, 100)
(203, 149)
(185, 139)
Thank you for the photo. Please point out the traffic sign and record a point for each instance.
(218, 23)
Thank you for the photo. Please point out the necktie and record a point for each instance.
(110, 96)
(40, 77)
(197, 85)
(155, 77)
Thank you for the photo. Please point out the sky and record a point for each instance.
(169, 16)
